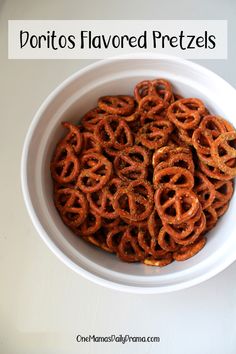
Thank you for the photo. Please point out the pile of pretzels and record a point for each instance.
(145, 176)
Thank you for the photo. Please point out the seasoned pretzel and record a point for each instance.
(175, 177)
(91, 224)
(178, 160)
(151, 106)
(74, 137)
(114, 237)
(199, 227)
(161, 261)
(203, 137)
(65, 165)
(186, 113)
(211, 218)
(95, 172)
(132, 163)
(120, 105)
(213, 172)
(189, 251)
(215, 125)
(112, 223)
(165, 153)
(163, 89)
(90, 143)
(92, 118)
(204, 189)
(72, 206)
(166, 241)
(114, 132)
(221, 209)
(224, 153)
(183, 229)
(98, 239)
(128, 249)
(223, 193)
(186, 136)
(135, 201)
(176, 205)
(154, 135)
(149, 244)
(154, 224)
(142, 89)
(102, 201)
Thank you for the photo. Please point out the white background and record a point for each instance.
(43, 304)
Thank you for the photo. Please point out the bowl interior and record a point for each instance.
(69, 102)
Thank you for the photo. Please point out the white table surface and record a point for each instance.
(43, 304)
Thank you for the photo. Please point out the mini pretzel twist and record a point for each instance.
(120, 105)
(95, 172)
(186, 113)
(114, 132)
(135, 201)
(64, 166)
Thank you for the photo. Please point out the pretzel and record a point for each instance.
(102, 201)
(113, 131)
(109, 224)
(120, 105)
(166, 241)
(213, 172)
(221, 210)
(149, 244)
(90, 120)
(95, 172)
(154, 224)
(186, 113)
(184, 229)
(74, 137)
(161, 261)
(135, 201)
(175, 177)
(215, 125)
(128, 249)
(211, 218)
(90, 143)
(186, 136)
(142, 89)
(203, 137)
(199, 227)
(163, 89)
(177, 140)
(178, 160)
(165, 153)
(72, 206)
(223, 193)
(132, 163)
(98, 239)
(151, 106)
(146, 118)
(91, 224)
(204, 189)
(65, 165)
(114, 237)
(154, 135)
(222, 160)
(189, 251)
(202, 140)
(175, 205)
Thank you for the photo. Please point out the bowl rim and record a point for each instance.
(35, 220)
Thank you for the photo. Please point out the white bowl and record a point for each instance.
(70, 101)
